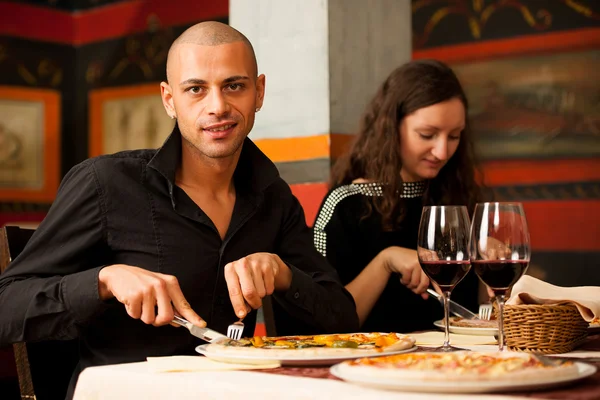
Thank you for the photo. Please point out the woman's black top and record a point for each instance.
(349, 240)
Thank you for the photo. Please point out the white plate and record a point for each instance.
(463, 330)
(458, 386)
(293, 359)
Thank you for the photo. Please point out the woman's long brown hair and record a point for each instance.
(375, 152)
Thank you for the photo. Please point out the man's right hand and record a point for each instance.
(149, 296)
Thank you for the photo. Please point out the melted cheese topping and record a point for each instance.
(455, 363)
(354, 340)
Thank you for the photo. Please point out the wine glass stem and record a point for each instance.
(500, 300)
(446, 297)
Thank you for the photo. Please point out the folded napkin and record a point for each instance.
(437, 338)
(198, 363)
(529, 290)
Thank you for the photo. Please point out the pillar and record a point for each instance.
(323, 61)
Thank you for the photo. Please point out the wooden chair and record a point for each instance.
(44, 368)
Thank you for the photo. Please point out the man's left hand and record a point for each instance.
(253, 277)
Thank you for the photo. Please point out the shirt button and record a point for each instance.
(296, 295)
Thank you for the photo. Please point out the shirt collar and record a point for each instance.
(254, 172)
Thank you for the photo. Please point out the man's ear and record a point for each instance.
(167, 98)
(260, 90)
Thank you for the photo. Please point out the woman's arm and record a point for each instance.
(369, 284)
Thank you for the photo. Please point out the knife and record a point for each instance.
(455, 308)
(203, 333)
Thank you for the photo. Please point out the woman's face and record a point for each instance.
(429, 137)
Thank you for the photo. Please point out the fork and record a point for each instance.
(485, 311)
(235, 330)
(550, 361)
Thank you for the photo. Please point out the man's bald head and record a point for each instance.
(210, 33)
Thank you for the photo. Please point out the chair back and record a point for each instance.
(44, 368)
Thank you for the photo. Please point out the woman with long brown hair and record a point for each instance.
(413, 149)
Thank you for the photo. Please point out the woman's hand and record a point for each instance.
(405, 262)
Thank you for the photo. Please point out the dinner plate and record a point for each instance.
(463, 330)
(459, 386)
(291, 360)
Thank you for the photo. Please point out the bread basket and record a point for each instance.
(548, 329)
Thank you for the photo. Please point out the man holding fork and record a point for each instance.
(203, 227)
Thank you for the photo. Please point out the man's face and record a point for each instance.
(214, 93)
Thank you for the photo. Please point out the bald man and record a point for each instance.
(204, 227)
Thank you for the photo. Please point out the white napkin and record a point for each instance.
(198, 363)
(530, 290)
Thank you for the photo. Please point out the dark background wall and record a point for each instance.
(72, 49)
(531, 72)
(530, 67)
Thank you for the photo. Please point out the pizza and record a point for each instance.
(463, 366)
(351, 344)
(473, 323)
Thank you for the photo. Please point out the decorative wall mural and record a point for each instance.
(444, 22)
(30, 66)
(127, 118)
(29, 144)
(535, 106)
(70, 5)
(11, 146)
(142, 55)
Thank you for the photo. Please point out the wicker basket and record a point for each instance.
(548, 329)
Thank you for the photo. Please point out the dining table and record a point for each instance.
(140, 381)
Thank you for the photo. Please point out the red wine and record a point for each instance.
(500, 274)
(446, 273)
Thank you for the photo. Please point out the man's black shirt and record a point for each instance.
(126, 209)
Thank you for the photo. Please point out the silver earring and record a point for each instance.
(172, 116)
(257, 109)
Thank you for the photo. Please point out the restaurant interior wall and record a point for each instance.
(530, 68)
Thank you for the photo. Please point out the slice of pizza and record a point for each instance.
(473, 323)
(457, 366)
(359, 343)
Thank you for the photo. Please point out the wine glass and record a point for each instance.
(500, 250)
(443, 250)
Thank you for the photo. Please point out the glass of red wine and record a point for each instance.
(500, 250)
(443, 250)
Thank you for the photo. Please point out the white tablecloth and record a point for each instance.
(142, 381)
(139, 381)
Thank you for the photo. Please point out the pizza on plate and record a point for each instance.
(314, 345)
(457, 366)
(473, 323)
